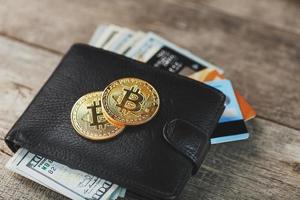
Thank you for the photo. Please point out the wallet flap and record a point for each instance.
(188, 140)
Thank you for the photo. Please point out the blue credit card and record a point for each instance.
(231, 125)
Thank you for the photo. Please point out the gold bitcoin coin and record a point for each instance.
(115, 123)
(88, 120)
(129, 101)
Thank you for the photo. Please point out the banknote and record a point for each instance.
(118, 39)
(72, 183)
(149, 48)
(104, 34)
(97, 34)
(126, 46)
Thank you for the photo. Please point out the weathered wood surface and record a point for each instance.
(284, 14)
(262, 58)
(24, 69)
(258, 58)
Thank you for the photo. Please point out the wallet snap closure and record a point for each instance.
(188, 140)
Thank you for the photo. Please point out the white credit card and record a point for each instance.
(152, 47)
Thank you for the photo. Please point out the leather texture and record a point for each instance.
(188, 140)
(153, 160)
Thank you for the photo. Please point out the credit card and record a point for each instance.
(209, 75)
(231, 125)
(163, 54)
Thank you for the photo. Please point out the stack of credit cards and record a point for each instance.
(165, 55)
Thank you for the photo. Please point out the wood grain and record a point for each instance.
(262, 61)
(23, 72)
(284, 14)
(258, 47)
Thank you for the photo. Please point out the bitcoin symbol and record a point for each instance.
(131, 100)
(95, 115)
(88, 120)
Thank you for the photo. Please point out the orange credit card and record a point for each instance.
(211, 74)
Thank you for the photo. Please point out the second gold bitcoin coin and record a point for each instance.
(88, 120)
(130, 101)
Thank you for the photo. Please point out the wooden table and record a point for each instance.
(257, 43)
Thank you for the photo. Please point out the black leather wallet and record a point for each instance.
(153, 160)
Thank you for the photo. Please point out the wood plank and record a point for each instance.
(23, 72)
(265, 167)
(280, 13)
(263, 62)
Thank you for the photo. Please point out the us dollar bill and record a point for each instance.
(104, 34)
(152, 49)
(119, 39)
(71, 183)
(115, 38)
